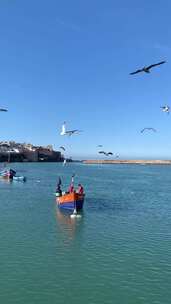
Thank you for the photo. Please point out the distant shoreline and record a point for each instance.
(132, 161)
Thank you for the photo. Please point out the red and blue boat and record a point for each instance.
(71, 201)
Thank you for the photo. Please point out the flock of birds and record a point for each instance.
(164, 108)
(64, 131)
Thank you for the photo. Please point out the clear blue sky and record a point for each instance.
(70, 60)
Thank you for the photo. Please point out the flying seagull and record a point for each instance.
(62, 148)
(69, 132)
(3, 110)
(102, 152)
(150, 129)
(165, 109)
(106, 153)
(109, 153)
(147, 69)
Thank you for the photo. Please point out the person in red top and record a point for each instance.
(80, 189)
(71, 188)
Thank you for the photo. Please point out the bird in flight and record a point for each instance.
(106, 153)
(147, 69)
(99, 146)
(109, 153)
(102, 152)
(165, 109)
(3, 110)
(62, 148)
(69, 132)
(150, 129)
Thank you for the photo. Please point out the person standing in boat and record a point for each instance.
(11, 173)
(58, 187)
(80, 189)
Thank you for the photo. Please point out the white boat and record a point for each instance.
(19, 178)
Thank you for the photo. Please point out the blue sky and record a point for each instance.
(70, 60)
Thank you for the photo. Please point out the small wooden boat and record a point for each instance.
(4, 175)
(14, 178)
(70, 201)
(9, 174)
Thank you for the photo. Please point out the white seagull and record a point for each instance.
(165, 109)
(69, 132)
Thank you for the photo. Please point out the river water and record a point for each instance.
(119, 251)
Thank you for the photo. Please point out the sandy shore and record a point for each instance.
(132, 161)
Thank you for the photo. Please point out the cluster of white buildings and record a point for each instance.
(12, 151)
(13, 147)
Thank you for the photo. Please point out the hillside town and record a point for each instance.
(25, 152)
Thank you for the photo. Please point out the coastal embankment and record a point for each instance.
(132, 161)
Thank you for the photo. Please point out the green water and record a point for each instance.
(118, 252)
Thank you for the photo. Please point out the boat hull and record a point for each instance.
(14, 178)
(70, 201)
(19, 178)
(4, 177)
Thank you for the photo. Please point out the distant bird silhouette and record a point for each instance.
(99, 146)
(106, 153)
(109, 153)
(165, 109)
(69, 132)
(62, 148)
(3, 110)
(150, 129)
(102, 152)
(147, 69)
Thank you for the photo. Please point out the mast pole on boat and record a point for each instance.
(9, 157)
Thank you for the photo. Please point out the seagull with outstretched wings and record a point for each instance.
(106, 153)
(147, 69)
(69, 132)
(165, 109)
(149, 129)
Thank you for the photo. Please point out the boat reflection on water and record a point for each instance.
(69, 226)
